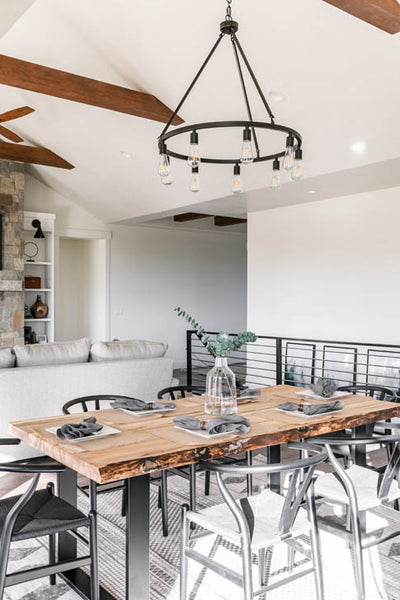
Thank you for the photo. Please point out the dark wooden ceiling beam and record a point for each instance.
(53, 82)
(32, 154)
(224, 221)
(184, 217)
(384, 14)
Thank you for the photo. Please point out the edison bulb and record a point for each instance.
(288, 161)
(297, 171)
(163, 165)
(275, 181)
(195, 183)
(247, 153)
(237, 184)
(193, 159)
(167, 179)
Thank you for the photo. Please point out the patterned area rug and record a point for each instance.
(381, 563)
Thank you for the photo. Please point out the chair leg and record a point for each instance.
(247, 577)
(291, 554)
(249, 478)
(261, 567)
(124, 500)
(164, 502)
(315, 544)
(94, 565)
(184, 560)
(4, 552)
(358, 558)
(159, 497)
(52, 556)
(192, 490)
(207, 481)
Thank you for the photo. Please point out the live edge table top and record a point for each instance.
(147, 443)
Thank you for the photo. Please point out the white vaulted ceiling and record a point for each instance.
(340, 76)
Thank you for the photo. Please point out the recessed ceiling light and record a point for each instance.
(358, 147)
(312, 191)
(126, 154)
(276, 96)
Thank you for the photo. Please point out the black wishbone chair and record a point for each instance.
(257, 522)
(189, 472)
(38, 513)
(359, 490)
(98, 402)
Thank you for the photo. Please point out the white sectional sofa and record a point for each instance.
(28, 392)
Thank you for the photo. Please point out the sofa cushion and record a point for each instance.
(126, 350)
(7, 358)
(54, 353)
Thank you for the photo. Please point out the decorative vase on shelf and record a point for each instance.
(220, 397)
(39, 310)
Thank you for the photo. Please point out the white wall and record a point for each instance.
(328, 269)
(81, 297)
(154, 270)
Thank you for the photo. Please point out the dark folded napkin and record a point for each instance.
(228, 424)
(134, 404)
(72, 431)
(249, 393)
(311, 409)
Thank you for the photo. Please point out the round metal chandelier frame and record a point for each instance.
(229, 28)
(228, 124)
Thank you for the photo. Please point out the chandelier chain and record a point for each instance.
(228, 15)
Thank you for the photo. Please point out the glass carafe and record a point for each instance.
(220, 398)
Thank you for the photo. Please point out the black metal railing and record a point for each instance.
(274, 360)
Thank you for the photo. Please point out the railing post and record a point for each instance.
(278, 361)
(189, 357)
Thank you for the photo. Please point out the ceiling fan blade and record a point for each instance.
(15, 113)
(10, 134)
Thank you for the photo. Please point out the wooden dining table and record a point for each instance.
(149, 443)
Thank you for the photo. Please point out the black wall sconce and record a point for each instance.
(37, 225)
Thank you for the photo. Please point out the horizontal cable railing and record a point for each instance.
(273, 360)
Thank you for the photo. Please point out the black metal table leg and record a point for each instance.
(274, 456)
(361, 451)
(67, 544)
(137, 538)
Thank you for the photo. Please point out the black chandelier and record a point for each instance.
(291, 154)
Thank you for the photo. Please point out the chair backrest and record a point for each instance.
(391, 469)
(20, 467)
(300, 485)
(378, 392)
(180, 391)
(87, 403)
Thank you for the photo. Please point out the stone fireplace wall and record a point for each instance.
(12, 181)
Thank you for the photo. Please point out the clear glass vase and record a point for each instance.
(220, 398)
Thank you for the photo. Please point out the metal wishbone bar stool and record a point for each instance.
(38, 513)
(361, 489)
(189, 472)
(257, 522)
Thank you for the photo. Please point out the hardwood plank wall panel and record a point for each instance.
(146, 444)
(60, 84)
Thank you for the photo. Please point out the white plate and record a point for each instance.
(105, 432)
(147, 412)
(205, 434)
(310, 394)
(298, 413)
